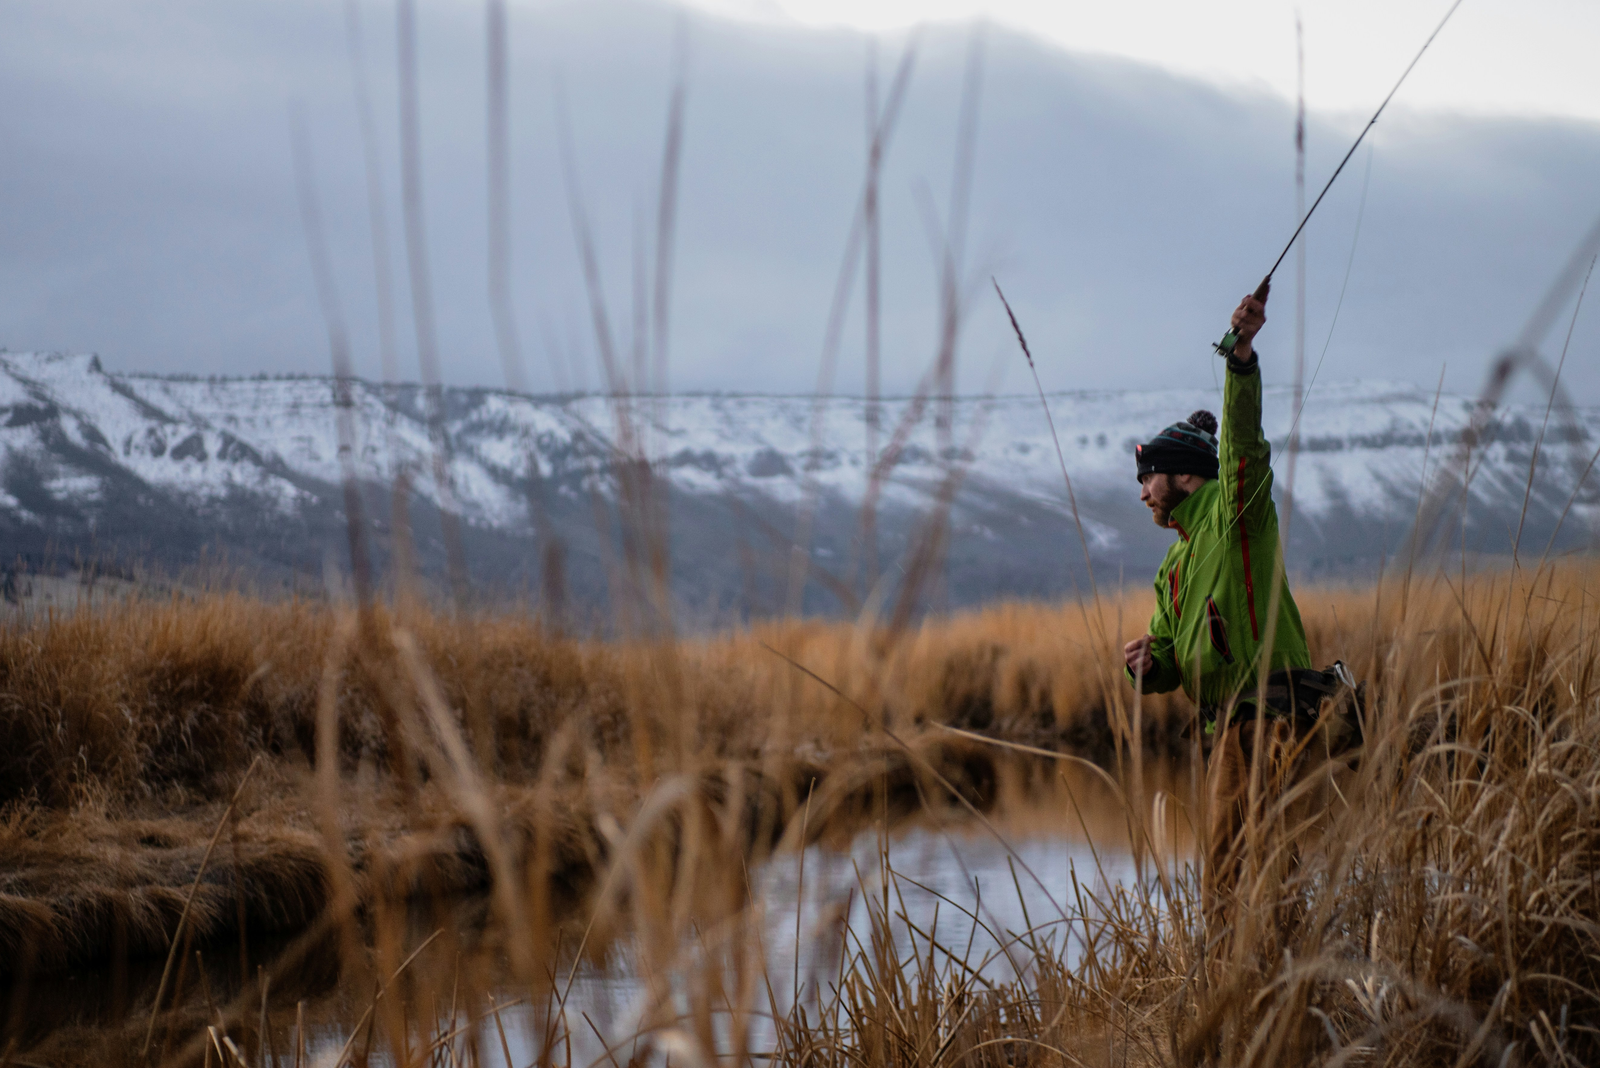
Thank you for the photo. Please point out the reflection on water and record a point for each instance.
(959, 888)
(956, 887)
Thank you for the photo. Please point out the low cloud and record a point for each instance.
(149, 209)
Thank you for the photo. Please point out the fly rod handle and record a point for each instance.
(1229, 340)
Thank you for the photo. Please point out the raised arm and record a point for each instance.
(1244, 457)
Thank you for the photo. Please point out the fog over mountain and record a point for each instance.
(149, 214)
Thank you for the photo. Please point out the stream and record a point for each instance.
(964, 887)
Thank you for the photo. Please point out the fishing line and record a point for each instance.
(1361, 212)
(1533, 462)
(1229, 340)
(1226, 346)
(1163, 606)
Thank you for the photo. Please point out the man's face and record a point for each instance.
(1161, 494)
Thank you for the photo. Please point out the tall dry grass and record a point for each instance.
(1440, 908)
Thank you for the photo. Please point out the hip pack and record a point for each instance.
(1331, 699)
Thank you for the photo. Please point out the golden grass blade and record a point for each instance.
(177, 932)
(349, 1042)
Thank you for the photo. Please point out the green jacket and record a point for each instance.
(1214, 589)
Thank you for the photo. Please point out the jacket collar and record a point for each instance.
(1187, 515)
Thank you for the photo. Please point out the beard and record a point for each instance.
(1164, 499)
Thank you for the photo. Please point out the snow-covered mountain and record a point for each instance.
(173, 469)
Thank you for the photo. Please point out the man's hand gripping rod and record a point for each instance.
(1229, 340)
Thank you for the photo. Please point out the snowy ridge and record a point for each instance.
(73, 436)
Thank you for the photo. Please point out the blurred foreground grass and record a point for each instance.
(1442, 908)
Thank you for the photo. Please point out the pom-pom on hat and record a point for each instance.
(1185, 448)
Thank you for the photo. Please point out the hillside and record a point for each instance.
(172, 471)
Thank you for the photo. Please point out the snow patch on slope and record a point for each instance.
(277, 440)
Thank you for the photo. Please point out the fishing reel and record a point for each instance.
(1230, 340)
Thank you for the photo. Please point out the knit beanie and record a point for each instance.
(1186, 448)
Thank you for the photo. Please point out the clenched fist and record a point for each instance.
(1138, 656)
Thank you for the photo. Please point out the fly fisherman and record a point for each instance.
(1214, 624)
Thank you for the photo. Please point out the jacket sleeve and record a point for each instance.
(1244, 457)
(1163, 676)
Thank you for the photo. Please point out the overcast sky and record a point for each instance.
(1498, 58)
(1133, 176)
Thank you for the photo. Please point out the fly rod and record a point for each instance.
(1231, 338)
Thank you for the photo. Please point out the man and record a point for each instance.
(1217, 621)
